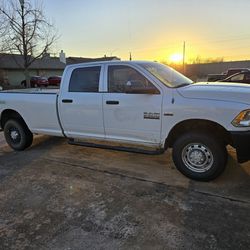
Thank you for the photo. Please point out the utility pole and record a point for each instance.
(183, 57)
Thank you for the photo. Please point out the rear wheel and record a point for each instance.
(17, 134)
(199, 156)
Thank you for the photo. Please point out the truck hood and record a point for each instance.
(232, 92)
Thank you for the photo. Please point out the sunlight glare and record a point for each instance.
(176, 58)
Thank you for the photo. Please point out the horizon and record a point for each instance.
(153, 30)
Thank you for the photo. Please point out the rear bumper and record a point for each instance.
(241, 142)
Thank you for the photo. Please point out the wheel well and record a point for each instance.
(198, 125)
(9, 114)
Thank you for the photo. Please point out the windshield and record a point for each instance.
(166, 75)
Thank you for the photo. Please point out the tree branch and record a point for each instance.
(25, 31)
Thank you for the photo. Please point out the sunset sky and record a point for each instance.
(152, 29)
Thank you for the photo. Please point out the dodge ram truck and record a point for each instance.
(140, 106)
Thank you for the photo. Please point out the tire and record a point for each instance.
(17, 134)
(199, 156)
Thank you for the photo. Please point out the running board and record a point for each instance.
(117, 148)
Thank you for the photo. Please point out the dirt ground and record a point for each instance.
(59, 196)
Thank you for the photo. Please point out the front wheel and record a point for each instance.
(17, 134)
(199, 156)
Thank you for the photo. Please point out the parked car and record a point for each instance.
(242, 77)
(36, 81)
(55, 80)
(224, 75)
(233, 71)
(137, 105)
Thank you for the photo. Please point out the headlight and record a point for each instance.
(242, 119)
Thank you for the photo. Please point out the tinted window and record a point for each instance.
(85, 80)
(238, 77)
(120, 77)
(247, 77)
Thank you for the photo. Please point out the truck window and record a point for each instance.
(121, 76)
(239, 77)
(85, 79)
(247, 77)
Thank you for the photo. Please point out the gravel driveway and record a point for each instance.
(59, 196)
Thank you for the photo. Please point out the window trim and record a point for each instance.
(92, 66)
(134, 68)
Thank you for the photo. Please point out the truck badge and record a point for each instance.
(150, 115)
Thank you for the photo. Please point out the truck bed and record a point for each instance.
(32, 91)
(38, 107)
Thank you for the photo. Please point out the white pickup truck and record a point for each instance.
(137, 105)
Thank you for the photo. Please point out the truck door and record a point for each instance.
(131, 112)
(80, 104)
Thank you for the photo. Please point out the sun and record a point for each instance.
(176, 58)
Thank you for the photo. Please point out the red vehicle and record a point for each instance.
(36, 81)
(54, 80)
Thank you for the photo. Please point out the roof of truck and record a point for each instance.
(109, 62)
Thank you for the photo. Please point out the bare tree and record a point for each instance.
(199, 60)
(25, 31)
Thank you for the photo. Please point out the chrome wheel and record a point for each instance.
(14, 135)
(197, 157)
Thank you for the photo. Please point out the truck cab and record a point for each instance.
(115, 101)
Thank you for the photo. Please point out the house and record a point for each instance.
(12, 71)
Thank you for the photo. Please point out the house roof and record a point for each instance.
(10, 61)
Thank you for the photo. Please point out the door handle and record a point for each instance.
(112, 102)
(67, 100)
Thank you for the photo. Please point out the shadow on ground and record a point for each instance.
(59, 196)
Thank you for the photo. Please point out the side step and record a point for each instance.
(118, 148)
